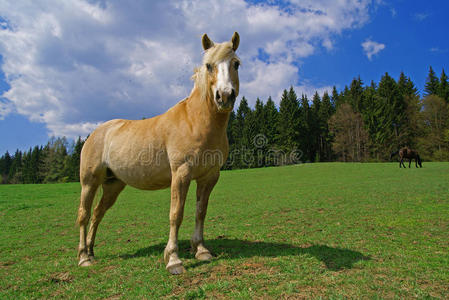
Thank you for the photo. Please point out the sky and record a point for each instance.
(67, 66)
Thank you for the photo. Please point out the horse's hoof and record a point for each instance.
(203, 256)
(176, 269)
(85, 263)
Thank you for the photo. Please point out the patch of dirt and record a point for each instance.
(222, 273)
(113, 297)
(108, 268)
(305, 292)
(64, 277)
(5, 264)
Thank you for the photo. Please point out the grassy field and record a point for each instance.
(331, 230)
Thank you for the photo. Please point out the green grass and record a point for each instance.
(314, 230)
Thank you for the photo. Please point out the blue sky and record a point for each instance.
(67, 66)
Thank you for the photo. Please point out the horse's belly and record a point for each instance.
(142, 170)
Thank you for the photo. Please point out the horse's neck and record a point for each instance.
(205, 115)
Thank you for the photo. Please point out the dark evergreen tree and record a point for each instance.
(305, 138)
(432, 83)
(271, 121)
(325, 112)
(355, 94)
(288, 121)
(335, 97)
(5, 166)
(409, 93)
(315, 128)
(240, 152)
(55, 160)
(391, 116)
(15, 171)
(443, 88)
(271, 132)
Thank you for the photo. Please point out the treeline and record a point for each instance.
(360, 123)
(58, 161)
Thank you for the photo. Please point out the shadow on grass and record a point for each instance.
(334, 258)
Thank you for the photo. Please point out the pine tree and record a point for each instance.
(305, 138)
(409, 93)
(271, 120)
(5, 167)
(231, 140)
(259, 137)
(271, 126)
(15, 171)
(391, 116)
(443, 89)
(229, 129)
(55, 160)
(240, 154)
(288, 121)
(335, 97)
(355, 94)
(432, 83)
(325, 112)
(315, 128)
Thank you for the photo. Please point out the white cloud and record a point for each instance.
(372, 48)
(72, 64)
(393, 12)
(437, 50)
(420, 16)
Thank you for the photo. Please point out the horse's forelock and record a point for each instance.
(219, 52)
(215, 54)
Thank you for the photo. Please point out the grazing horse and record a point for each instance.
(188, 142)
(409, 154)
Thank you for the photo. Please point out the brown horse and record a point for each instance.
(188, 142)
(410, 154)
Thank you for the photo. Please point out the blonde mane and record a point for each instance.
(217, 53)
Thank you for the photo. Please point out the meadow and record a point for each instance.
(328, 230)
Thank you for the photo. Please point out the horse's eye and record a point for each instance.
(236, 65)
(209, 67)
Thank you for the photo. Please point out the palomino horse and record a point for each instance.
(409, 154)
(188, 142)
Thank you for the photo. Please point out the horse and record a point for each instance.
(410, 154)
(187, 142)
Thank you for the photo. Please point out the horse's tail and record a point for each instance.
(393, 154)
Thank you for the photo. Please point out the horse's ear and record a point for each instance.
(207, 43)
(235, 41)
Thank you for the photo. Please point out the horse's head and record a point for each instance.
(218, 77)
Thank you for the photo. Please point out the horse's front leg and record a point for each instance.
(204, 188)
(179, 187)
(409, 163)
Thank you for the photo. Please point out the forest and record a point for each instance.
(361, 123)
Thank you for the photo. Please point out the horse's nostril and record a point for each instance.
(217, 95)
(232, 96)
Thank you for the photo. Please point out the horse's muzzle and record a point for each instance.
(225, 101)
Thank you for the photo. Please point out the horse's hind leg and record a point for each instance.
(88, 191)
(111, 190)
(204, 188)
